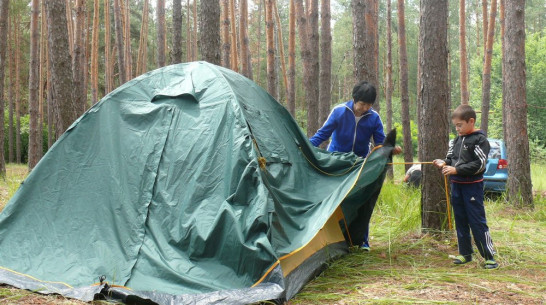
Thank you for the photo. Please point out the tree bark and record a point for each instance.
(143, 42)
(108, 77)
(485, 27)
(462, 49)
(486, 78)
(160, 7)
(195, 37)
(365, 18)
(291, 98)
(209, 31)
(33, 86)
(4, 13)
(325, 94)
(95, 54)
(312, 90)
(404, 91)
(17, 50)
(281, 45)
(388, 78)
(259, 48)
(43, 76)
(70, 26)
(270, 43)
(235, 52)
(246, 64)
(61, 70)
(177, 31)
(226, 37)
(434, 129)
(11, 89)
(389, 84)
(78, 58)
(119, 42)
(127, 44)
(189, 39)
(514, 98)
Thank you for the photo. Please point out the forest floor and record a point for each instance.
(404, 266)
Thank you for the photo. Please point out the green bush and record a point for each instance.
(24, 138)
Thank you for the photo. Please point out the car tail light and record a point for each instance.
(502, 164)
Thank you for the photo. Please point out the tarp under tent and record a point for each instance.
(187, 185)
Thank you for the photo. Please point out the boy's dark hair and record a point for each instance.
(464, 112)
(364, 92)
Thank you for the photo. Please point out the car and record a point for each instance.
(496, 170)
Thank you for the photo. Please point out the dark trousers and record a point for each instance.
(367, 215)
(467, 202)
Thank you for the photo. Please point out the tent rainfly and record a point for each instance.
(187, 185)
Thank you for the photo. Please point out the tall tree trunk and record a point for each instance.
(108, 77)
(404, 91)
(259, 48)
(78, 58)
(270, 43)
(17, 56)
(291, 98)
(61, 70)
(364, 43)
(11, 89)
(127, 44)
(325, 94)
(462, 49)
(434, 129)
(70, 26)
(119, 42)
(33, 86)
(160, 7)
(195, 36)
(246, 66)
(209, 31)
(177, 31)
(389, 84)
(502, 24)
(42, 77)
(189, 41)
(235, 52)
(478, 30)
(388, 76)
(486, 78)
(4, 28)
(227, 38)
(95, 54)
(313, 91)
(514, 98)
(485, 27)
(280, 45)
(49, 102)
(143, 41)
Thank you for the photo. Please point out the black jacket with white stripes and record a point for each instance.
(468, 154)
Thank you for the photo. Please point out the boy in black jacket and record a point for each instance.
(465, 162)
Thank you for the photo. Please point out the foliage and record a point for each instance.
(24, 138)
(400, 136)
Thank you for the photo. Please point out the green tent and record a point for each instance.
(188, 184)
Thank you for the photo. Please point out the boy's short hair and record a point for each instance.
(364, 92)
(464, 112)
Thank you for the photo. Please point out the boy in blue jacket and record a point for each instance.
(465, 163)
(352, 125)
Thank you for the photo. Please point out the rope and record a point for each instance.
(326, 173)
(448, 203)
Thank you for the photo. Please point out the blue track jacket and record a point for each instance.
(346, 136)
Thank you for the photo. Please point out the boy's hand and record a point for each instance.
(439, 163)
(449, 170)
(397, 150)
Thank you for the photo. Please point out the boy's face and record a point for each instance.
(360, 107)
(463, 127)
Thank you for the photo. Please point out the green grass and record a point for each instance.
(404, 266)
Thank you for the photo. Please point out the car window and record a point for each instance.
(494, 151)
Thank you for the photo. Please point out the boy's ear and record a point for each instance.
(472, 121)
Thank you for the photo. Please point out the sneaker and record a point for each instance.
(491, 264)
(365, 246)
(460, 259)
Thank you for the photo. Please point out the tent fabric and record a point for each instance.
(188, 184)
